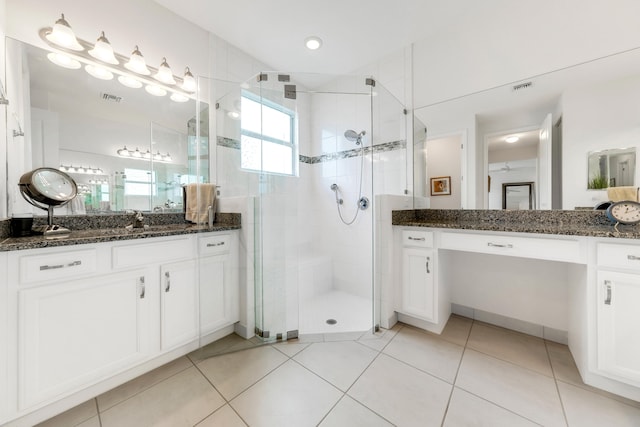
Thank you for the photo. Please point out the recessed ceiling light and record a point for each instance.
(313, 42)
(511, 139)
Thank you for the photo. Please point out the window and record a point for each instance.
(267, 141)
(139, 182)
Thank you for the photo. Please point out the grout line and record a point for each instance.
(555, 382)
(455, 377)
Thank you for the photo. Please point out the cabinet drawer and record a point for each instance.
(212, 245)
(564, 250)
(419, 238)
(53, 266)
(152, 253)
(619, 256)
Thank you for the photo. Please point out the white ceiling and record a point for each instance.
(355, 33)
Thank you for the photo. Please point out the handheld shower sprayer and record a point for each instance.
(353, 136)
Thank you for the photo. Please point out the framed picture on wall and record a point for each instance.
(441, 186)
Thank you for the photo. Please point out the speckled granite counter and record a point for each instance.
(572, 223)
(107, 228)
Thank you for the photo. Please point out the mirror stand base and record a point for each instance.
(52, 231)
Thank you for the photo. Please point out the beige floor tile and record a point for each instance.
(377, 341)
(224, 345)
(520, 390)
(426, 352)
(457, 330)
(141, 383)
(73, 416)
(309, 338)
(340, 363)
(565, 370)
(343, 336)
(181, 400)
(233, 373)
(403, 395)
(91, 422)
(587, 409)
(524, 350)
(223, 417)
(465, 410)
(349, 413)
(288, 396)
(290, 348)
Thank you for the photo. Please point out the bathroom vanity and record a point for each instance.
(564, 276)
(90, 312)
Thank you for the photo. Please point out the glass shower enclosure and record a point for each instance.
(305, 158)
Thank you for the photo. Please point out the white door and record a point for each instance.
(179, 303)
(619, 325)
(78, 332)
(418, 292)
(544, 165)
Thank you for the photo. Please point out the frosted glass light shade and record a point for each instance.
(178, 97)
(155, 90)
(137, 64)
(103, 51)
(62, 35)
(99, 72)
(188, 81)
(129, 81)
(164, 73)
(63, 60)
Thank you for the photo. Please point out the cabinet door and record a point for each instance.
(219, 305)
(78, 332)
(418, 285)
(179, 309)
(619, 325)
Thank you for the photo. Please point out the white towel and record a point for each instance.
(618, 194)
(198, 199)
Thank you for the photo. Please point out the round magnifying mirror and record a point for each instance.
(45, 188)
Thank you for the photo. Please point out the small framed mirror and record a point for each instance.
(517, 195)
(611, 168)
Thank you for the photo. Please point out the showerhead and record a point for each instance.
(353, 136)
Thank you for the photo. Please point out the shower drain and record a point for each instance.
(331, 321)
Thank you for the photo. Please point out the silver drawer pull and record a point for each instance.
(633, 258)
(498, 245)
(607, 298)
(54, 267)
(428, 260)
(211, 245)
(419, 239)
(142, 286)
(167, 276)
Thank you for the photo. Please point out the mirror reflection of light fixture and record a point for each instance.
(512, 139)
(129, 81)
(178, 97)
(147, 155)
(155, 90)
(137, 64)
(233, 115)
(81, 169)
(103, 51)
(164, 73)
(98, 72)
(63, 36)
(63, 60)
(188, 81)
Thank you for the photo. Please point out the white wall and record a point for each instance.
(443, 159)
(595, 118)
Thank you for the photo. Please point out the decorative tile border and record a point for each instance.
(387, 146)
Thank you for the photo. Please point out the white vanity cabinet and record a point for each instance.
(179, 303)
(420, 297)
(618, 311)
(219, 294)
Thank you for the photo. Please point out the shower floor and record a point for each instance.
(352, 313)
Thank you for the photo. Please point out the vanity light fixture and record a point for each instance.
(98, 72)
(313, 42)
(164, 73)
(178, 97)
(103, 51)
(81, 169)
(511, 139)
(188, 81)
(63, 36)
(63, 60)
(123, 152)
(137, 64)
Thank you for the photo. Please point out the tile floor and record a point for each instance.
(474, 374)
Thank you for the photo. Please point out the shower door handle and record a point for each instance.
(427, 265)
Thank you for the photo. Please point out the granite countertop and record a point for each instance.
(569, 223)
(85, 230)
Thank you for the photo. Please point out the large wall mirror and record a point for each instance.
(537, 130)
(125, 148)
